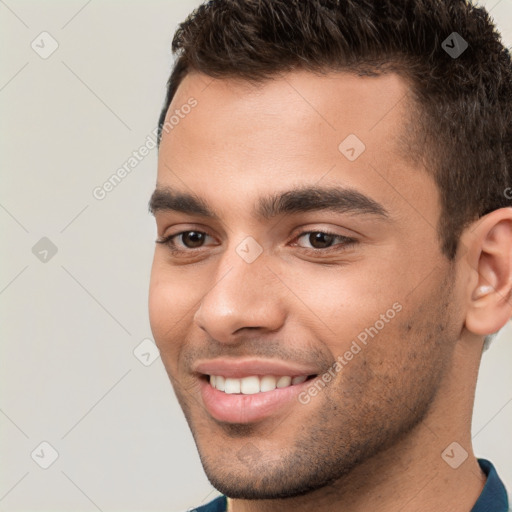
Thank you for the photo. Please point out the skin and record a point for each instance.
(372, 439)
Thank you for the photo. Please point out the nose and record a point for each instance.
(241, 296)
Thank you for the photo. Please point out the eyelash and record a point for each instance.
(346, 242)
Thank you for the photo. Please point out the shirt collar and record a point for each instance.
(493, 497)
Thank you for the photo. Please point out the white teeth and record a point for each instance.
(253, 384)
(284, 382)
(232, 386)
(250, 385)
(220, 383)
(268, 383)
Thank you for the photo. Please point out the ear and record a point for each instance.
(489, 244)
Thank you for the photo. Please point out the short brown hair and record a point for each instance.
(465, 126)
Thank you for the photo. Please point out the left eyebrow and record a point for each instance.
(297, 200)
(306, 199)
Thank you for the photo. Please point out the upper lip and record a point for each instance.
(239, 368)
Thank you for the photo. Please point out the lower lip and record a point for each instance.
(238, 408)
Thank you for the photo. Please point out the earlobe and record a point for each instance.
(490, 259)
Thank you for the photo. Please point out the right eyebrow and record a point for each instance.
(165, 199)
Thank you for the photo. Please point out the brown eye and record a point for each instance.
(185, 241)
(192, 239)
(319, 240)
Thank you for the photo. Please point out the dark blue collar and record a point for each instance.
(217, 505)
(492, 499)
(494, 496)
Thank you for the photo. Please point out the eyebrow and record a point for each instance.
(297, 200)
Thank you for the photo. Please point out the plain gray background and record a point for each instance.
(70, 321)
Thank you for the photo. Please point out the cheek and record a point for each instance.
(169, 305)
(348, 302)
(159, 317)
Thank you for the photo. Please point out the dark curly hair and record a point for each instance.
(462, 125)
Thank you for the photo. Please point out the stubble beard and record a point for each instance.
(368, 409)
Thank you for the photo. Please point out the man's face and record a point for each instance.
(356, 298)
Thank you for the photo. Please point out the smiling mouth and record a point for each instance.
(254, 384)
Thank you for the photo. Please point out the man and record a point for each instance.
(334, 247)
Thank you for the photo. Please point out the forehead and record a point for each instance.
(295, 114)
(290, 130)
(336, 100)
